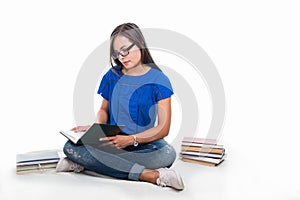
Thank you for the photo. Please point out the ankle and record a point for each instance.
(149, 175)
(66, 165)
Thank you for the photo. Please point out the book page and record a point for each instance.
(72, 135)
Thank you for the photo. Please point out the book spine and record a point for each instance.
(36, 166)
(202, 149)
(199, 162)
(201, 145)
(200, 140)
(211, 160)
(38, 170)
(205, 155)
(37, 162)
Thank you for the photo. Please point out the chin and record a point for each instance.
(130, 66)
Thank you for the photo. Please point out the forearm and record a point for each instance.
(152, 134)
(102, 116)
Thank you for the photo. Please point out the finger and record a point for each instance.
(105, 143)
(103, 139)
(73, 129)
(109, 143)
(107, 138)
(77, 129)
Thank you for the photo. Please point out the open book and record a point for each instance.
(72, 135)
(93, 134)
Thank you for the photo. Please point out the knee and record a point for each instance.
(70, 150)
(167, 157)
(170, 151)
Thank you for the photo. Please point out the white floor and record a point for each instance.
(242, 176)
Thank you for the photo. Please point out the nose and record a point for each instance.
(120, 57)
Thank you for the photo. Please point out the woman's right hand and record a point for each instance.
(80, 128)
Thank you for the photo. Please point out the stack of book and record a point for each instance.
(37, 161)
(202, 151)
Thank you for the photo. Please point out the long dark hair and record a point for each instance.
(134, 34)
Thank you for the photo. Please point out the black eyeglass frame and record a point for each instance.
(123, 52)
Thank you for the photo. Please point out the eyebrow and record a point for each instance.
(122, 47)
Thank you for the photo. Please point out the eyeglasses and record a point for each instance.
(123, 52)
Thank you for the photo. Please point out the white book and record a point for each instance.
(205, 159)
(72, 135)
(36, 162)
(192, 144)
(201, 154)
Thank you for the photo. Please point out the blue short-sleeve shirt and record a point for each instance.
(133, 99)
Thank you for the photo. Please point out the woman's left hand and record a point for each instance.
(119, 141)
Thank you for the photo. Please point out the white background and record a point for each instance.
(255, 46)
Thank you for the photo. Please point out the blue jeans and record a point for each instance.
(125, 163)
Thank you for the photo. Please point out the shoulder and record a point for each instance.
(159, 76)
(113, 73)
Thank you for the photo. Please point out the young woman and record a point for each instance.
(136, 94)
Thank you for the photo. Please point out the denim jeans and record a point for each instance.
(125, 163)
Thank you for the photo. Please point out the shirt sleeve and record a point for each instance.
(164, 89)
(103, 89)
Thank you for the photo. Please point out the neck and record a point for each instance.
(136, 71)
